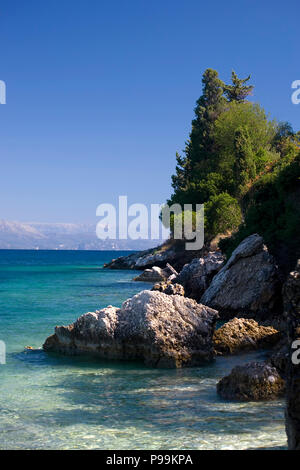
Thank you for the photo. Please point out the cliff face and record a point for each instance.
(291, 296)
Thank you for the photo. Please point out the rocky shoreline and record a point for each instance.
(171, 251)
(173, 325)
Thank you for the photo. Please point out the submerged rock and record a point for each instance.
(240, 334)
(154, 274)
(252, 382)
(248, 285)
(196, 276)
(161, 330)
(291, 298)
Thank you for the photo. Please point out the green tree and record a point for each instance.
(258, 135)
(222, 214)
(231, 144)
(199, 149)
(238, 91)
(244, 165)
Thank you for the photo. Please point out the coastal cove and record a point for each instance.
(58, 402)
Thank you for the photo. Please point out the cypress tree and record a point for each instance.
(199, 149)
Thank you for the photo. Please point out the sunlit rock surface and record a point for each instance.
(161, 330)
(240, 335)
(248, 285)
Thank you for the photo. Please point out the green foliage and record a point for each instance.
(187, 219)
(272, 208)
(222, 214)
(185, 224)
(247, 115)
(238, 91)
(244, 167)
(258, 131)
(237, 162)
(283, 134)
(199, 149)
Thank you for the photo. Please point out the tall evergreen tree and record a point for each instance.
(238, 91)
(199, 149)
(208, 108)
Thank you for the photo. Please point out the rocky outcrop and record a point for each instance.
(196, 276)
(252, 382)
(159, 256)
(171, 251)
(168, 288)
(154, 274)
(160, 330)
(125, 262)
(248, 285)
(291, 298)
(240, 335)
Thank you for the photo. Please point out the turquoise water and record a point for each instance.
(52, 402)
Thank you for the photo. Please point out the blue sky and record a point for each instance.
(100, 94)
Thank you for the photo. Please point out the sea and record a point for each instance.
(48, 401)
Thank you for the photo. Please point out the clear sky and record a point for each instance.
(100, 94)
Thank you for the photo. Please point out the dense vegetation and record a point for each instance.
(244, 167)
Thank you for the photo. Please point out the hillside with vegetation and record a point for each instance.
(244, 167)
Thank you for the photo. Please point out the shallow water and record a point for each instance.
(53, 402)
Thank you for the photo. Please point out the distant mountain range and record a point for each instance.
(60, 236)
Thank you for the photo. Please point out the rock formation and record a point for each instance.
(248, 285)
(240, 335)
(161, 330)
(171, 251)
(168, 288)
(154, 274)
(158, 256)
(196, 276)
(252, 382)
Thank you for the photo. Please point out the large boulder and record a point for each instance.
(155, 274)
(252, 382)
(291, 297)
(240, 335)
(196, 276)
(161, 330)
(248, 285)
